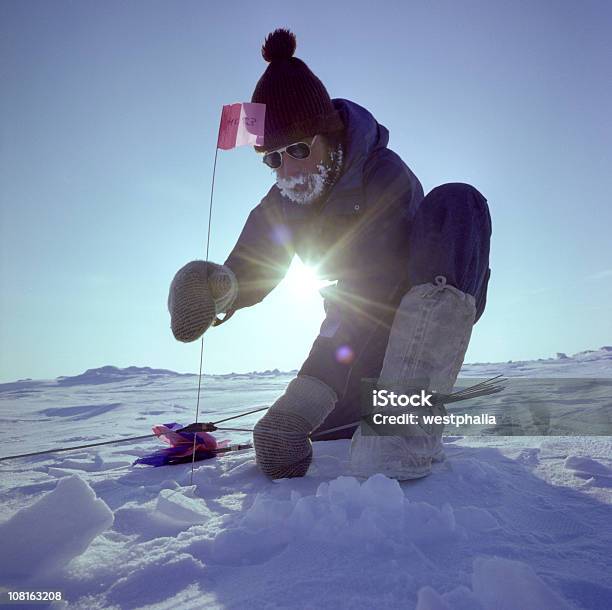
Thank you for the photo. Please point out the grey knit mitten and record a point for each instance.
(282, 446)
(199, 291)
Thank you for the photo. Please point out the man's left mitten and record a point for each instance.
(282, 445)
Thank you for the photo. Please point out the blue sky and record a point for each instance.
(109, 114)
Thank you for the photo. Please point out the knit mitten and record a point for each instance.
(282, 445)
(199, 291)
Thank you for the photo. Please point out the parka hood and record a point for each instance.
(363, 135)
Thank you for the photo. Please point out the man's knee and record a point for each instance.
(459, 199)
(451, 237)
(456, 191)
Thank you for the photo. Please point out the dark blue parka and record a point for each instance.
(359, 236)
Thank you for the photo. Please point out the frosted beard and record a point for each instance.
(306, 188)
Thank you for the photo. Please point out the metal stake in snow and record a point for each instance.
(241, 123)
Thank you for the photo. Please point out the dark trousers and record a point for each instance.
(450, 236)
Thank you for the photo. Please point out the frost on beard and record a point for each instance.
(306, 188)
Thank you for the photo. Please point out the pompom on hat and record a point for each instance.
(297, 103)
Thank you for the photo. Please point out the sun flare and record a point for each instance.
(303, 279)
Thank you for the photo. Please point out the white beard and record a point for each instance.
(306, 188)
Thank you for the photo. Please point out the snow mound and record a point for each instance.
(45, 536)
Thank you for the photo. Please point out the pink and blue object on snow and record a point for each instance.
(181, 446)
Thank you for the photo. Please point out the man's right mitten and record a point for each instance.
(199, 291)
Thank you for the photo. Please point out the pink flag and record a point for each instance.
(241, 124)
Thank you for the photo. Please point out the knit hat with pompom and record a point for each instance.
(297, 103)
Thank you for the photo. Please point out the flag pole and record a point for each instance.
(257, 113)
(210, 207)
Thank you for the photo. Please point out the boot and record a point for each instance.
(429, 337)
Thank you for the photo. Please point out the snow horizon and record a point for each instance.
(604, 350)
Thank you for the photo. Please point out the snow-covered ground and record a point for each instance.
(505, 523)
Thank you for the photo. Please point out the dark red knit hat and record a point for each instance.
(297, 103)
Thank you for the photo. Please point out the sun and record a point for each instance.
(303, 279)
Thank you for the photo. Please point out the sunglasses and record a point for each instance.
(299, 151)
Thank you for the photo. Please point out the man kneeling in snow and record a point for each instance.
(411, 271)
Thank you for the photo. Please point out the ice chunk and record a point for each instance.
(382, 492)
(343, 487)
(180, 507)
(504, 584)
(48, 534)
(307, 511)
